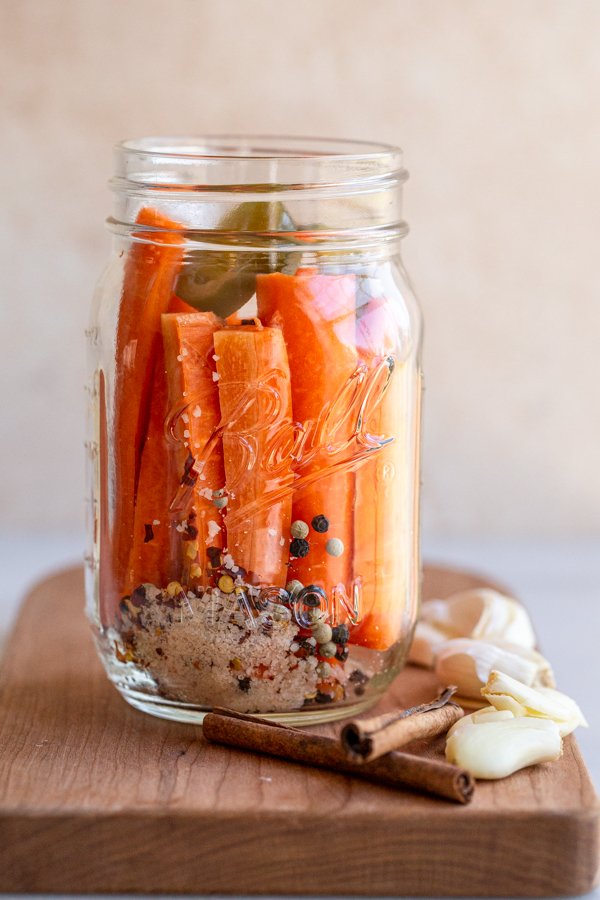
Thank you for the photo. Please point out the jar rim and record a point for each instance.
(274, 147)
(263, 163)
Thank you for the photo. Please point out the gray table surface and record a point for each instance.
(559, 582)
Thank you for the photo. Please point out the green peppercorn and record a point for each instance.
(294, 587)
(299, 529)
(322, 633)
(316, 615)
(324, 670)
(320, 524)
(280, 613)
(327, 650)
(334, 547)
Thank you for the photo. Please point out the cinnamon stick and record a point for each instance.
(366, 739)
(395, 769)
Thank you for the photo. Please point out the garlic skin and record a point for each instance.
(481, 614)
(507, 693)
(493, 744)
(468, 663)
(426, 640)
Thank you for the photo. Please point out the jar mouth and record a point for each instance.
(232, 146)
(257, 162)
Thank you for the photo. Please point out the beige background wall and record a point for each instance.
(497, 107)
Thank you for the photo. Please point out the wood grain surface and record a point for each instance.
(97, 797)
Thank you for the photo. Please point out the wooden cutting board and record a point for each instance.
(96, 797)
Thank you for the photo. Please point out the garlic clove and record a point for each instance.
(467, 664)
(505, 692)
(437, 613)
(494, 744)
(544, 676)
(425, 641)
(486, 714)
(481, 613)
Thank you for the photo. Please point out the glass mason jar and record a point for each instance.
(254, 431)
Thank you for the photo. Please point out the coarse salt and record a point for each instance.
(213, 529)
(215, 376)
(196, 412)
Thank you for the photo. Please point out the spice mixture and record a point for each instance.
(237, 646)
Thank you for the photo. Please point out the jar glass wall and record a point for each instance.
(254, 429)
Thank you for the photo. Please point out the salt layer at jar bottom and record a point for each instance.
(177, 654)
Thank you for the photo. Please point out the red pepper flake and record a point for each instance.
(190, 476)
(260, 671)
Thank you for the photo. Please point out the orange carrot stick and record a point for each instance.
(152, 557)
(383, 513)
(194, 423)
(150, 272)
(317, 315)
(255, 398)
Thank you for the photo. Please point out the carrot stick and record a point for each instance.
(255, 398)
(383, 512)
(150, 272)
(317, 315)
(194, 424)
(152, 557)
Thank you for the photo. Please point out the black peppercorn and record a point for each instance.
(323, 698)
(138, 596)
(320, 524)
(342, 653)
(299, 547)
(244, 684)
(312, 595)
(340, 634)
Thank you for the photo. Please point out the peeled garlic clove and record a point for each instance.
(486, 714)
(425, 640)
(480, 613)
(468, 663)
(504, 692)
(493, 746)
